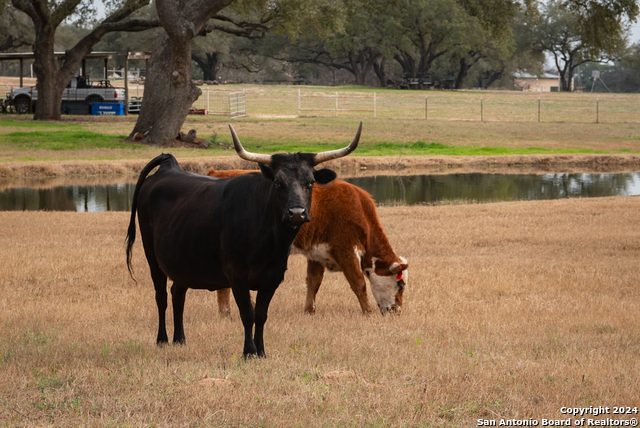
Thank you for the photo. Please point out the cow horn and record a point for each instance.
(335, 154)
(253, 157)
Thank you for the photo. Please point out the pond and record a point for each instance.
(386, 190)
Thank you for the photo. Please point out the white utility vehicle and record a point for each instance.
(77, 96)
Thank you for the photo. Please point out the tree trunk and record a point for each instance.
(208, 65)
(50, 88)
(356, 67)
(407, 63)
(168, 91)
(464, 68)
(462, 73)
(491, 77)
(565, 80)
(378, 68)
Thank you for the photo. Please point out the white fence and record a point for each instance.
(511, 106)
(237, 104)
(219, 101)
(346, 105)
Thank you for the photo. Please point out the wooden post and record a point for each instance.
(126, 84)
(336, 103)
(597, 108)
(538, 109)
(298, 101)
(426, 107)
(481, 110)
(374, 105)
(21, 71)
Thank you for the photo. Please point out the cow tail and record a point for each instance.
(131, 232)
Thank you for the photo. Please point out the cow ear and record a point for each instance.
(396, 268)
(267, 171)
(324, 176)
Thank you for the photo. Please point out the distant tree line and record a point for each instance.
(385, 43)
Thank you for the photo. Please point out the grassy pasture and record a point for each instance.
(454, 128)
(512, 310)
(101, 138)
(357, 102)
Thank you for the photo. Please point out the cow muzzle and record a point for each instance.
(297, 217)
(393, 309)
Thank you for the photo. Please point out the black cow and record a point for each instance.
(208, 233)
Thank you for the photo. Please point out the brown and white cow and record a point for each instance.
(344, 235)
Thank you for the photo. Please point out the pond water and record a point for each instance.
(386, 190)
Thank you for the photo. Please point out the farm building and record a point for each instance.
(545, 83)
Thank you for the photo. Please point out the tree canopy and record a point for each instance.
(47, 17)
(561, 32)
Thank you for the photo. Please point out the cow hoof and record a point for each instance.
(250, 352)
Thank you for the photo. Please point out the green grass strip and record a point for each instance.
(419, 148)
(36, 125)
(61, 140)
(34, 135)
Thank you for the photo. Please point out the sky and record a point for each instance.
(635, 32)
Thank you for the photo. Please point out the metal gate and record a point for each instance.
(237, 104)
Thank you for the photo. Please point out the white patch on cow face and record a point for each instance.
(385, 288)
(320, 253)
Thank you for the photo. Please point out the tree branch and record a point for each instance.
(132, 26)
(172, 19)
(114, 22)
(127, 9)
(61, 12)
(11, 44)
(29, 7)
(246, 32)
(244, 29)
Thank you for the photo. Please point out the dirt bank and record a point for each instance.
(349, 166)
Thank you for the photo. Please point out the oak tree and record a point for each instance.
(47, 16)
(169, 90)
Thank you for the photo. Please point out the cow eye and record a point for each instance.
(278, 185)
(310, 185)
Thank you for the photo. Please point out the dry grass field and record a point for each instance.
(512, 310)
